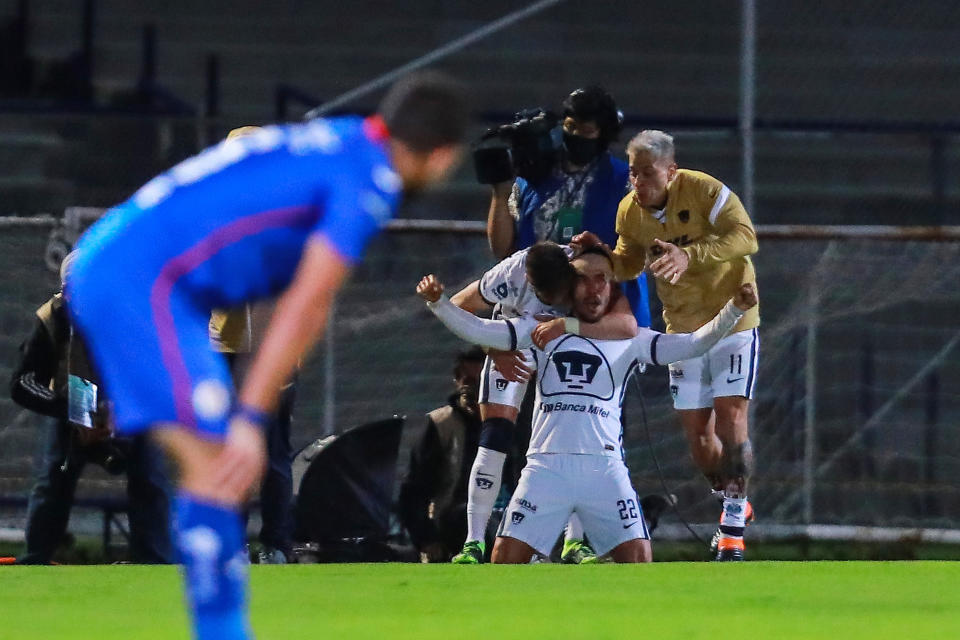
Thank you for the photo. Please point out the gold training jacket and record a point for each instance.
(705, 219)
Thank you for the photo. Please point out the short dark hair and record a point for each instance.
(598, 250)
(473, 354)
(595, 104)
(425, 110)
(549, 269)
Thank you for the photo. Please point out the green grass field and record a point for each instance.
(833, 600)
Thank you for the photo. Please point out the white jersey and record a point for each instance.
(580, 387)
(581, 381)
(505, 286)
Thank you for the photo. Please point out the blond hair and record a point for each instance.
(239, 132)
(657, 143)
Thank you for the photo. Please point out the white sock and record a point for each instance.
(734, 517)
(574, 530)
(485, 477)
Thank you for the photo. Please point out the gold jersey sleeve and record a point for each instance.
(706, 220)
(230, 330)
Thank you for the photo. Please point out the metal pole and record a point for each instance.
(748, 78)
(329, 374)
(810, 408)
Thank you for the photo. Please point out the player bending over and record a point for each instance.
(287, 209)
(575, 459)
(534, 281)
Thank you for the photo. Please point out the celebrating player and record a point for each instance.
(533, 281)
(287, 209)
(696, 238)
(575, 460)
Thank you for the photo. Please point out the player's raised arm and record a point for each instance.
(617, 324)
(665, 348)
(496, 334)
(470, 299)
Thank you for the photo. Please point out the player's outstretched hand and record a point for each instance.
(583, 241)
(671, 264)
(430, 289)
(241, 463)
(547, 331)
(510, 364)
(746, 297)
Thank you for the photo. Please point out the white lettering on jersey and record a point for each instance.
(386, 179)
(316, 135)
(374, 204)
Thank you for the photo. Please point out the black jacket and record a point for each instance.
(439, 470)
(35, 384)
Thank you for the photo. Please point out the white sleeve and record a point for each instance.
(498, 283)
(506, 335)
(665, 348)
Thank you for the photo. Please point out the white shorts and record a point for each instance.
(554, 485)
(496, 389)
(728, 369)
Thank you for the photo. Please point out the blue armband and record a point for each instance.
(253, 415)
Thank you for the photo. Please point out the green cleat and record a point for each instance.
(472, 553)
(578, 552)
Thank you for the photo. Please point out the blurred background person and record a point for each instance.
(433, 496)
(40, 382)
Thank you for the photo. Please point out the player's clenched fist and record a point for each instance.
(746, 297)
(430, 289)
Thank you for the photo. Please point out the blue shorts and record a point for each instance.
(150, 346)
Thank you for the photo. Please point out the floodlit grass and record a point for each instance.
(833, 600)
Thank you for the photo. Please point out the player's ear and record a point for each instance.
(672, 171)
(441, 160)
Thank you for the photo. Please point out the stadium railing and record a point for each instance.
(858, 403)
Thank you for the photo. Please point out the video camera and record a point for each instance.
(528, 147)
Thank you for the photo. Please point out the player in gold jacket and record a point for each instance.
(694, 235)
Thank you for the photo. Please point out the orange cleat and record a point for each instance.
(730, 550)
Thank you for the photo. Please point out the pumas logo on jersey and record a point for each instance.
(501, 290)
(575, 368)
(501, 385)
(676, 374)
(516, 517)
(483, 483)
(578, 368)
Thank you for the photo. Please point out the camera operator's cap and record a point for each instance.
(595, 103)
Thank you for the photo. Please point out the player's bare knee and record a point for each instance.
(507, 550)
(632, 552)
(493, 410)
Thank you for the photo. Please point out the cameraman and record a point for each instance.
(40, 383)
(582, 192)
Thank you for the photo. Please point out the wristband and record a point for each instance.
(255, 416)
(571, 325)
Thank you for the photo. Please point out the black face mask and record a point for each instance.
(581, 151)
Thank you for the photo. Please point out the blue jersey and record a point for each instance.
(596, 195)
(230, 224)
(224, 227)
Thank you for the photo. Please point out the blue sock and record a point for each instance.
(211, 551)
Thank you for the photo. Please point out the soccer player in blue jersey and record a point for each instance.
(286, 210)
